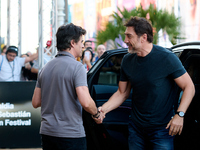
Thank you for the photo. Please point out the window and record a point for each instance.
(110, 72)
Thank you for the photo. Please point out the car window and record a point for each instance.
(193, 69)
(177, 53)
(110, 71)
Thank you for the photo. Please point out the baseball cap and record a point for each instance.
(12, 49)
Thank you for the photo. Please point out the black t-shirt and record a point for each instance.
(152, 80)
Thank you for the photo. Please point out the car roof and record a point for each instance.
(176, 48)
(186, 45)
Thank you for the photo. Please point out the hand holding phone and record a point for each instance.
(87, 55)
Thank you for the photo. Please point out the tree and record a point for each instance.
(160, 19)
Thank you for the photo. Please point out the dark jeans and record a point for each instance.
(58, 143)
(149, 139)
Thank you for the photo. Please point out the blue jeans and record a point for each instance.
(149, 139)
(58, 143)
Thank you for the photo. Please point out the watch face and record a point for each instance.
(181, 114)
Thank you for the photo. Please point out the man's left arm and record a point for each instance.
(36, 99)
(31, 58)
(187, 86)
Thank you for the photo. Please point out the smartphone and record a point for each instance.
(87, 55)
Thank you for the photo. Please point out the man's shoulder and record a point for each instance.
(160, 49)
(72, 62)
(19, 58)
(129, 56)
(2, 56)
(78, 64)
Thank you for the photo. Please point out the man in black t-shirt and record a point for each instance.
(151, 72)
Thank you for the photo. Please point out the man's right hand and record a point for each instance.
(99, 120)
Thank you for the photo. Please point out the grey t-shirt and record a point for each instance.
(61, 110)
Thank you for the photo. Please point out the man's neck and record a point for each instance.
(145, 50)
(70, 51)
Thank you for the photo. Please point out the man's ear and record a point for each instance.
(144, 37)
(72, 43)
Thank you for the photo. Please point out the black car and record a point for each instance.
(103, 81)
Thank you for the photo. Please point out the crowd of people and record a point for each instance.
(89, 57)
(26, 66)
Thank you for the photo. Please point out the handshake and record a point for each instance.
(98, 118)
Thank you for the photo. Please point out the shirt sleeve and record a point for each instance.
(80, 76)
(36, 64)
(38, 83)
(22, 61)
(174, 66)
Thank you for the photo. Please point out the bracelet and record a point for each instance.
(96, 115)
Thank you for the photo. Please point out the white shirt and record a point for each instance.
(11, 71)
(46, 57)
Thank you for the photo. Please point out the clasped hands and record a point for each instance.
(101, 116)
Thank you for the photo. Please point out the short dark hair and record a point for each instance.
(87, 41)
(90, 50)
(66, 33)
(141, 26)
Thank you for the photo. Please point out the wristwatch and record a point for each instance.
(180, 113)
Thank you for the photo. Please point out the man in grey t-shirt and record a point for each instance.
(61, 91)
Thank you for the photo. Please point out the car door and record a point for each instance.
(190, 58)
(103, 79)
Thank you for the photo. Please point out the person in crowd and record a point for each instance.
(11, 65)
(48, 51)
(25, 69)
(27, 75)
(100, 50)
(87, 57)
(47, 58)
(3, 52)
(152, 73)
(87, 44)
(48, 44)
(61, 91)
(28, 53)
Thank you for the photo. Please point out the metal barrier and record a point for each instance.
(19, 121)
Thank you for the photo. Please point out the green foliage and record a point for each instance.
(160, 19)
